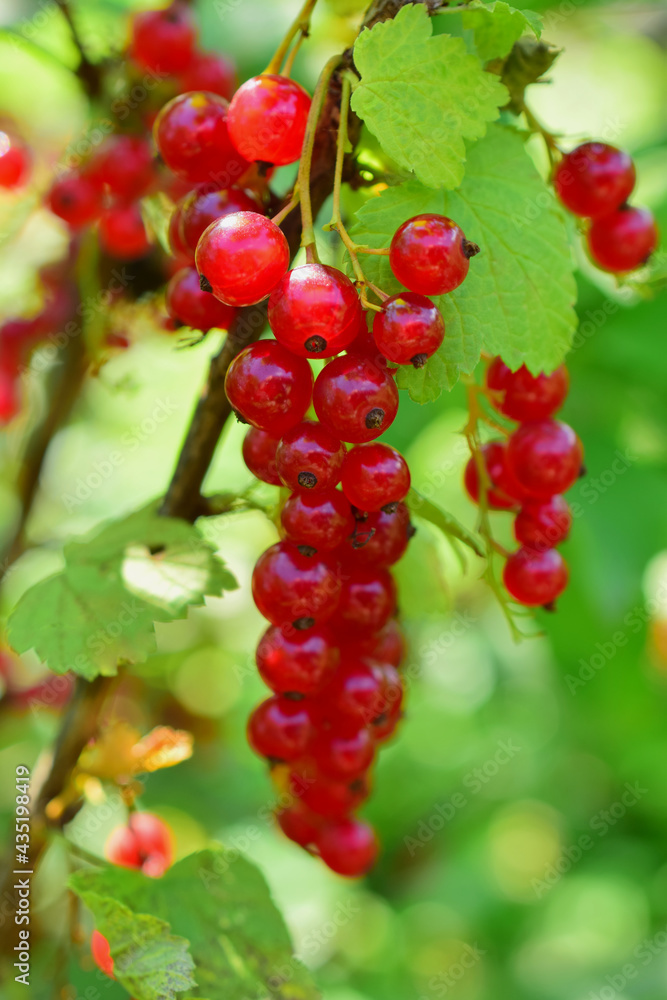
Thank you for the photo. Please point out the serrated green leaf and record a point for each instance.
(518, 297)
(446, 522)
(220, 903)
(496, 26)
(423, 95)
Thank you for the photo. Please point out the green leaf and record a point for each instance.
(423, 95)
(497, 26)
(518, 297)
(447, 523)
(101, 608)
(220, 903)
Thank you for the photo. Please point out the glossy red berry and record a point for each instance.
(355, 398)
(594, 179)
(175, 235)
(429, 254)
(14, 161)
(187, 303)
(374, 476)
(534, 577)
(522, 396)
(318, 521)
(211, 72)
(164, 40)
(380, 539)
(191, 135)
(201, 208)
(367, 601)
(259, 454)
(145, 843)
(299, 823)
(315, 311)
(385, 646)
(101, 952)
(504, 492)
(623, 240)
(391, 703)
(280, 729)
(364, 346)
(267, 119)
(310, 457)
(124, 164)
(543, 525)
(545, 457)
(348, 847)
(344, 753)
(122, 232)
(297, 662)
(269, 387)
(409, 329)
(75, 199)
(327, 797)
(289, 587)
(355, 692)
(242, 257)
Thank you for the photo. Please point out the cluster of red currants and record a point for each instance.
(594, 181)
(541, 460)
(144, 844)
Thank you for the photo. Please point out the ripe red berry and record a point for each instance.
(259, 454)
(267, 119)
(380, 539)
(594, 179)
(14, 161)
(299, 823)
(544, 457)
(543, 525)
(211, 72)
(327, 797)
(354, 692)
(186, 302)
(101, 952)
(364, 346)
(75, 199)
(242, 257)
(191, 135)
(280, 729)
(319, 521)
(409, 329)
(623, 240)
(164, 40)
(355, 398)
(315, 311)
(344, 753)
(269, 387)
(385, 646)
(175, 235)
(367, 601)
(290, 587)
(145, 843)
(297, 662)
(310, 457)
(534, 577)
(522, 396)
(201, 208)
(429, 254)
(124, 163)
(375, 476)
(504, 492)
(348, 847)
(122, 232)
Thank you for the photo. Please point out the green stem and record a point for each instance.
(301, 25)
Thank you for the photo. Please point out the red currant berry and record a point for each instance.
(344, 754)
(14, 162)
(594, 179)
(522, 396)
(367, 600)
(201, 208)
(242, 257)
(269, 387)
(380, 540)
(429, 254)
(191, 135)
(144, 843)
(293, 662)
(211, 72)
(543, 525)
(310, 457)
(409, 329)
(259, 454)
(375, 476)
(535, 578)
(504, 492)
(327, 797)
(175, 235)
(299, 824)
(101, 952)
(390, 704)
(290, 587)
(355, 398)
(267, 119)
(75, 199)
(122, 232)
(544, 457)
(186, 302)
(355, 692)
(364, 346)
(348, 847)
(385, 646)
(164, 40)
(280, 729)
(319, 521)
(315, 311)
(124, 163)
(623, 240)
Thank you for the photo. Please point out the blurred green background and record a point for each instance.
(523, 808)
